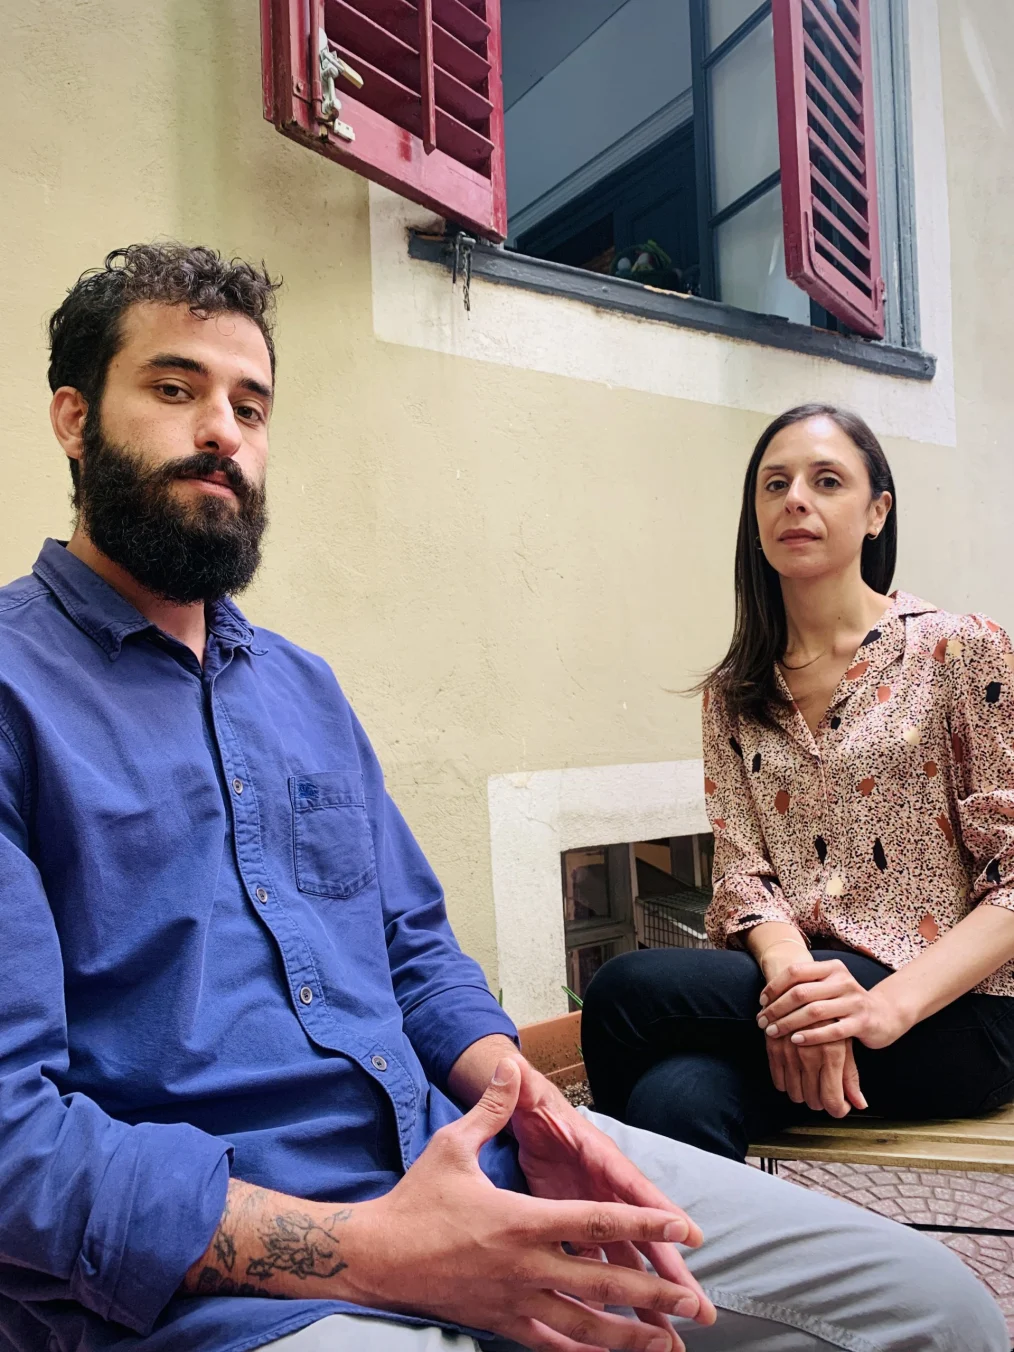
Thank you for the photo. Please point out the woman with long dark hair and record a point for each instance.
(859, 775)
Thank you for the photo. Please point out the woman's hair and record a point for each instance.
(745, 677)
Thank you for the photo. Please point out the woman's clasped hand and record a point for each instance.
(823, 1077)
(813, 1005)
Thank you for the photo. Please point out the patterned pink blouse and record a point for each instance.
(887, 827)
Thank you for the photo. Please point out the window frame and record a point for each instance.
(702, 62)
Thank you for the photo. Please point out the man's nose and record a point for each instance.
(218, 430)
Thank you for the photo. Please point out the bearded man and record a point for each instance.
(252, 1094)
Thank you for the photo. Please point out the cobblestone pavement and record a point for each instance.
(932, 1198)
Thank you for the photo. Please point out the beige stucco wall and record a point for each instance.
(508, 570)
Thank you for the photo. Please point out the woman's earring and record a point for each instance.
(757, 543)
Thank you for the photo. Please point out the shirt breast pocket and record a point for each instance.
(331, 837)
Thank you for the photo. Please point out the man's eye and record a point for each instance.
(249, 412)
(170, 390)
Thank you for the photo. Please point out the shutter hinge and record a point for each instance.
(331, 68)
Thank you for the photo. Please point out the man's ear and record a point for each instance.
(67, 412)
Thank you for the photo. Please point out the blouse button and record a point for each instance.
(835, 887)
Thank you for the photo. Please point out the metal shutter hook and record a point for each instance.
(332, 67)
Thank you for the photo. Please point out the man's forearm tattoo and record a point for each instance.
(294, 1243)
(212, 1283)
(264, 1242)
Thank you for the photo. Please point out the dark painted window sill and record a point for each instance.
(690, 312)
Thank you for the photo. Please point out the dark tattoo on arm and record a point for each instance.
(295, 1244)
(212, 1283)
(265, 1240)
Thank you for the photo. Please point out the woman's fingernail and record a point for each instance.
(660, 1345)
(797, 1038)
(772, 1030)
(761, 1021)
(689, 1308)
(763, 1001)
(675, 1232)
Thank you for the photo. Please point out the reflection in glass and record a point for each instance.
(586, 885)
(725, 16)
(750, 262)
(744, 118)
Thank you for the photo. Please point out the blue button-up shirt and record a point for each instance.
(222, 951)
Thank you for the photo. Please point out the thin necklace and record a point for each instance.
(803, 665)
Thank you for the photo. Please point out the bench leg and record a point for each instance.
(768, 1166)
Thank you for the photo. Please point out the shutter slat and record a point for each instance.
(367, 42)
(850, 8)
(836, 120)
(837, 43)
(834, 20)
(836, 223)
(403, 105)
(840, 145)
(839, 165)
(837, 196)
(834, 84)
(401, 20)
(461, 22)
(823, 245)
(824, 86)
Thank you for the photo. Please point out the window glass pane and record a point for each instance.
(750, 259)
(586, 885)
(585, 962)
(725, 16)
(744, 121)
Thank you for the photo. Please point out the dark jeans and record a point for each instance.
(671, 1044)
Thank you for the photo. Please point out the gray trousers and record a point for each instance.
(789, 1271)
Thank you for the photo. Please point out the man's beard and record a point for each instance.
(183, 552)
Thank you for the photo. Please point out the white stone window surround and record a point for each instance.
(414, 305)
(534, 817)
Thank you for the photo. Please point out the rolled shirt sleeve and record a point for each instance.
(746, 888)
(981, 664)
(444, 998)
(94, 1210)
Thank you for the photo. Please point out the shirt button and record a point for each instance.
(261, 894)
(305, 994)
(237, 785)
(378, 1063)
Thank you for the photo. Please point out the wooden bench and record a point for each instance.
(969, 1145)
(973, 1145)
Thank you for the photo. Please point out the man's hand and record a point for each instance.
(821, 1004)
(446, 1243)
(823, 1077)
(564, 1156)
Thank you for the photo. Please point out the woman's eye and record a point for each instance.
(775, 485)
(828, 481)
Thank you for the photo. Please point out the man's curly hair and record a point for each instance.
(86, 332)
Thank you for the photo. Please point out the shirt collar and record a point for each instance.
(107, 617)
(884, 643)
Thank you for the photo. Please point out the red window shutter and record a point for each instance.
(427, 120)
(823, 72)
